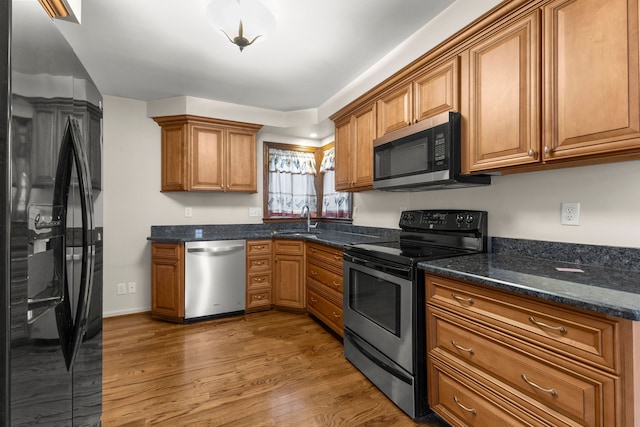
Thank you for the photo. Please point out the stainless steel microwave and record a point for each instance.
(423, 156)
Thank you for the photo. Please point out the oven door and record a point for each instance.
(378, 308)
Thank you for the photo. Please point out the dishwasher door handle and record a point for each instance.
(215, 251)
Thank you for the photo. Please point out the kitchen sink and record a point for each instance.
(297, 233)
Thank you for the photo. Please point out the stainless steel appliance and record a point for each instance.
(51, 232)
(384, 301)
(214, 282)
(423, 156)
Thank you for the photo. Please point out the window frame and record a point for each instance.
(318, 182)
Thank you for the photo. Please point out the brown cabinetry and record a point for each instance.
(324, 285)
(167, 281)
(434, 91)
(203, 154)
(590, 84)
(532, 360)
(288, 286)
(354, 150)
(258, 275)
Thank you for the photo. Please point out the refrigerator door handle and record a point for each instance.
(72, 329)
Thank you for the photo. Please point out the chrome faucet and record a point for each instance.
(307, 211)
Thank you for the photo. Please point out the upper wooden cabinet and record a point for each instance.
(584, 104)
(591, 77)
(432, 92)
(354, 150)
(500, 96)
(204, 154)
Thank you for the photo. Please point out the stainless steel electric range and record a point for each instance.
(384, 301)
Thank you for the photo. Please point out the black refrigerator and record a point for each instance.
(51, 232)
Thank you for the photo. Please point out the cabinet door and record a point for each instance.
(364, 132)
(174, 157)
(592, 77)
(437, 90)
(167, 282)
(394, 110)
(241, 161)
(503, 97)
(343, 156)
(206, 162)
(289, 281)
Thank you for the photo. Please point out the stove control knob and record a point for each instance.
(459, 218)
(469, 218)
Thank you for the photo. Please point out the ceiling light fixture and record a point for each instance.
(249, 19)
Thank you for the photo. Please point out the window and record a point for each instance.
(297, 176)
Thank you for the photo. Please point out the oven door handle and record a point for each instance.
(390, 369)
(375, 265)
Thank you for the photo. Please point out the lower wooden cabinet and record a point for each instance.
(524, 360)
(288, 285)
(167, 281)
(259, 274)
(324, 285)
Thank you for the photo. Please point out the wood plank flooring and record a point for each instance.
(261, 369)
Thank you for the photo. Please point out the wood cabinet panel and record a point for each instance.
(241, 161)
(343, 155)
(324, 277)
(174, 161)
(206, 158)
(288, 284)
(354, 150)
(437, 90)
(259, 275)
(395, 110)
(503, 101)
(592, 77)
(167, 281)
(330, 256)
(328, 311)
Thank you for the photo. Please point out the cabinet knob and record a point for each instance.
(547, 150)
(531, 152)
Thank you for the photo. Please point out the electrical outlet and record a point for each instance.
(188, 212)
(570, 214)
(131, 287)
(122, 288)
(255, 212)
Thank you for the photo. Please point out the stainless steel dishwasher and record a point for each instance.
(214, 282)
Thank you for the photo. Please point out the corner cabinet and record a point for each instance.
(167, 281)
(498, 358)
(204, 154)
(354, 150)
(288, 284)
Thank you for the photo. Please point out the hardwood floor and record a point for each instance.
(262, 369)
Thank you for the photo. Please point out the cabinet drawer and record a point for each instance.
(289, 247)
(325, 310)
(260, 298)
(571, 391)
(259, 263)
(327, 254)
(258, 247)
(166, 250)
(259, 280)
(324, 277)
(455, 398)
(591, 339)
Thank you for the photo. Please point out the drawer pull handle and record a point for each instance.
(472, 410)
(337, 257)
(336, 315)
(258, 263)
(258, 296)
(560, 329)
(460, 299)
(551, 391)
(314, 250)
(337, 285)
(313, 273)
(259, 279)
(459, 347)
(313, 300)
(259, 247)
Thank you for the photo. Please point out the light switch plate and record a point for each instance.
(255, 212)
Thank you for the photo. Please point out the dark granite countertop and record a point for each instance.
(604, 290)
(332, 235)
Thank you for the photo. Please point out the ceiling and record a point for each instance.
(157, 49)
